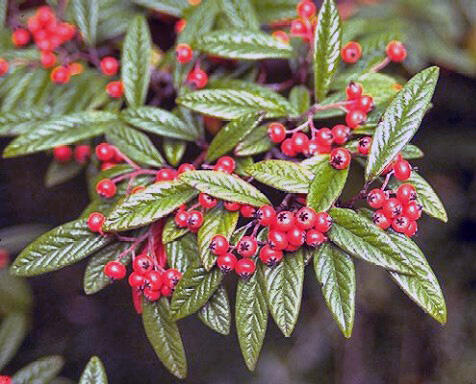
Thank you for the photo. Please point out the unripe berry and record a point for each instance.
(60, 75)
(266, 215)
(185, 167)
(396, 51)
(351, 52)
(48, 59)
(207, 201)
(412, 229)
(314, 238)
(219, 245)
(247, 211)
(276, 132)
(306, 9)
(376, 198)
(340, 158)
(306, 218)
(21, 37)
(109, 65)
(340, 133)
(392, 208)
(226, 163)
(142, 264)
(247, 246)
(364, 145)
(323, 222)
(406, 193)
(136, 280)
(277, 240)
(270, 256)
(198, 77)
(181, 219)
(296, 236)
(106, 188)
(412, 210)
(245, 268)
(287, 148)
(104, 152)
(281, 36)
(353, 91)
(381, 220)
(115, 89)
(284, 221)
(355, 117)
(299, 141)
(63, 153)
(183, 53)
(82, 153)
(324, 137)
(166, 174)
(75, 68)
(231, 206)
(3, 66)
(402, 169)
(195, 220)
(115, 270)
(226, 262)
(95, 221)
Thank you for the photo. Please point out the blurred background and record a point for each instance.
(393, 340)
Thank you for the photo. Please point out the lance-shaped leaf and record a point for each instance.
(171, 232)
(86, 15)
(410, 152)
(41, 371)
(159, 122)
(336, 273)
(327, 43)
(282, 174)
(361, 238)
(231, 134)
(427, 197)
(216, 313)
(182, 253)
(255, 143)
(136, 54)
(400, 121)
(12, 332)
(225, 187)
(149, 205)
(94, 373)
(300, 98)
(251, 317)
(326, 186)
(282, 286)
(423, 288)
(200, 20)
(135, 145)
(194, 289)
(18, 122)
(243, 45)
(60, 130)
(231, 104)
(217, 221)
(58, 173)
(170, 7)
(274, 10)
(241, 14)
(62, 246)
(174, 150)
(164, 336)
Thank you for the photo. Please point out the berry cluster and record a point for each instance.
(64, 153)
(197, 76)
(304, 26)
(108, 155)
(358, 105)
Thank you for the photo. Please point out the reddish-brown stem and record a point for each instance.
(134, 174)
(379, 66)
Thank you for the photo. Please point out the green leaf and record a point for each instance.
(231, 134)
(427, 196)
(149, 205)
(225, 187)
(94, 373)
(3, 12)
(164, 336)
(58, 248)
(86, 15)
(275, 10)
(242, 44)
(136, 54)
(379, 86)
(300, 98)
(242, 163)
(251, 317)
(41, 371)
(60, 130)
(400, 121)
(282, 174)
(255, 143)
(282, 286)
(171, 232)
(217, 221)
(182, 253)
(200, 20)
(327, 185)
(336, 273)
(411, 152)
(327, 44)
(241, 14)
(12, 333)
(159, 122)
(361, 238)
(15, 294)
(135, 145)
(170, 7)
(423, 288)
(18, 122)
(58, 173)
(193, 290)
(174, 150)
(216, 312)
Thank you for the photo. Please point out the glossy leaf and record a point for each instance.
(410, 152)
(382, 88)
(255, 143)
(300, 98)
(41, 371)
(86, 15)
(173, 150)
(171, 232)
(13, 330)
(58, 173)
(94, 373)
(216, 313)
(182, 253)
(241, 14)
(18, 122)
(170, 7)
(200, 20)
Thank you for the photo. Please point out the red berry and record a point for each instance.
(65, 31)
(5, 380)
(232, 206)
(115, 270)
(392, 208)
(324, 137)
(396, 51)
(195, 220)
(48, 59)
(314, 147)
(314, 238)
(62, 153)
(412, 210)
(245, 268)
(299, 28)
(180, 25)
(142, 264)
(226, 163)
(198, 77)
(104, 152)
(82, 153)
(185, 167)
(276, 132)
(299, 141)
(353, 91)
(115, 89)
(355, 117)
(20, 37)
(136, 280)
(109, 65)
(284, 221)
(400, 224)
(351, 52)
(247, 246)
(323, 222)
(306, 9)
(247, 211)
(266, 215)
(171, 277)
(95, 221)
(277, 240)
(107, 165)
(106, 188)
(33, 24)
(364, 103)
(406, 193)
(154, 280)
(166, 291)
(287, 148)
(207, 201)
(376, 198)
(270, 256)
(402, 169)
(364, 145)
(183, 53)
(381, 220)
(296, 236)
(306, 218)
(181, 219)
(151, 295)
(45, 15)
(219, 245)
(3, 66)
(340, 158)
(226, 262)
(166, 174)
(4, 259)
(60, 75)
(412, 229)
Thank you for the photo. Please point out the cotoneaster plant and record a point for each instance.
(177, 209)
